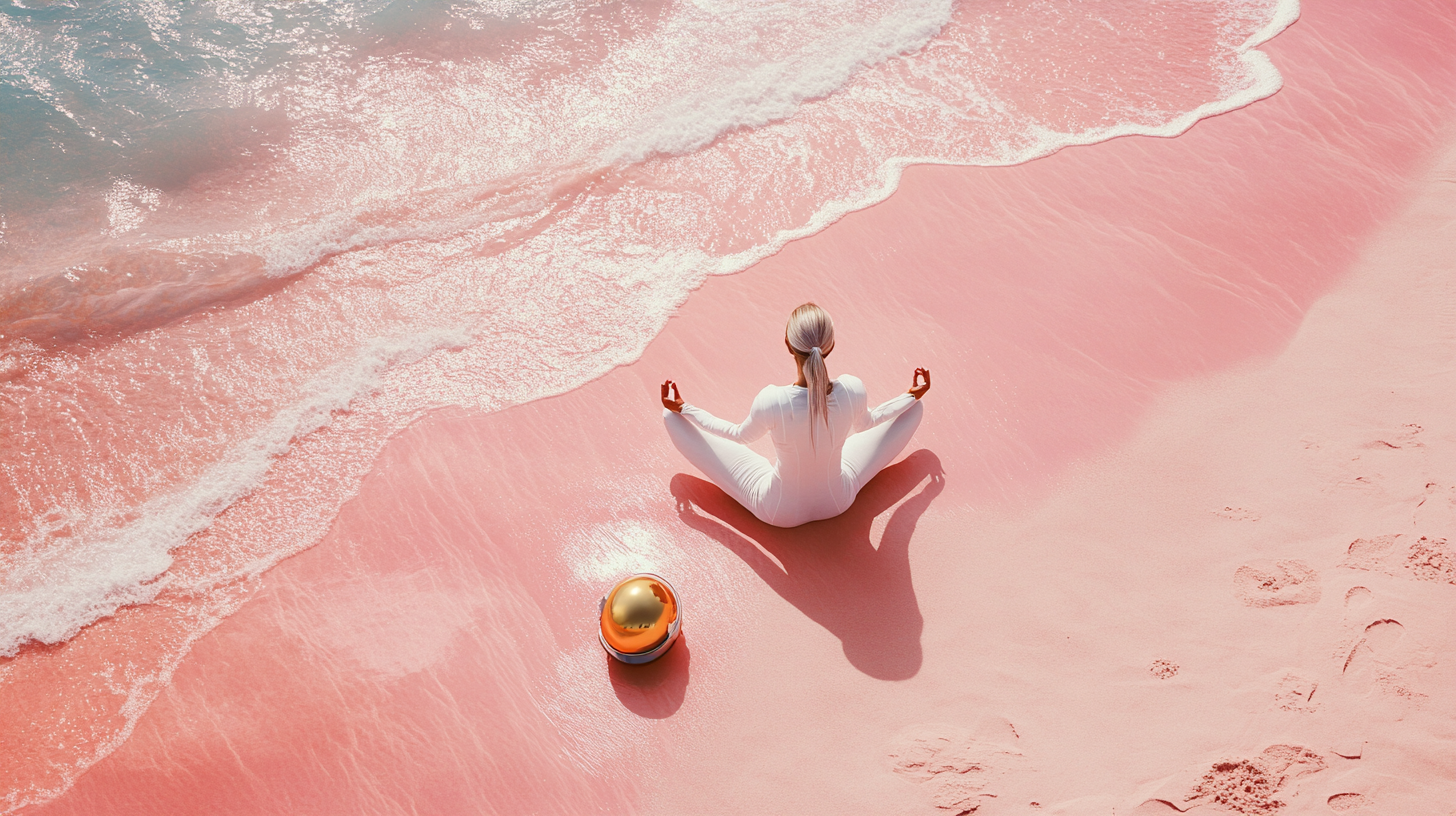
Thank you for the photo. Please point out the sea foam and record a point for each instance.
(764, 91)
(53, 586)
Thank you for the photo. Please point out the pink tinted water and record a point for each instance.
(212, 377)
(427, 654)
(150, 433)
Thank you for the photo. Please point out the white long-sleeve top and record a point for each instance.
(812, 477)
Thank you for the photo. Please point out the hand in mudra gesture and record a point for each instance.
(916, 388)
(672, 398)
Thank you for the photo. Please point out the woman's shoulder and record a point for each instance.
(773, 393)
(851, 383)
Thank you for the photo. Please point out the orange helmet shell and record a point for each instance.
(638, 614)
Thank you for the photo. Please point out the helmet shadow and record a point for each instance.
(653, 690)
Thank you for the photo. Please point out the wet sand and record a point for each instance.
(1175, 522)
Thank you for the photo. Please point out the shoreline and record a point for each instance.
(414, 534)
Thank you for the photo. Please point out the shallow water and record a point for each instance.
(245, 243)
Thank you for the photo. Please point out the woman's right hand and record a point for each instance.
(916, 389)
(672, 398)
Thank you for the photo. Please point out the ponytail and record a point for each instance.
(810, 334)
(817, 375)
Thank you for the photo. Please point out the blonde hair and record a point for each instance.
(810, 333)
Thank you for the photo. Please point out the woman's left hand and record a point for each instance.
(672, 398)
(916, 389)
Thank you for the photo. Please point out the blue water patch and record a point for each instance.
(160, 91)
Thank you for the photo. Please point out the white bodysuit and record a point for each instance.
(811, 480)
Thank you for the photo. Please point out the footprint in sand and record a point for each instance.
(957, 766)
(1358, 597)
(1347, 747)
(1379, 654)
(1385, 656)
(1246, 785)
(1253, 786)
(1347, 802)
(1359, 611)
(1435, 513)
(1373, 462)
(1381, 637)
(1404, 556)
(1276, 583)
(1398, 438)
(1296, 693)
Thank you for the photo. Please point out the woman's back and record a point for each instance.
(802, 445)
(827, 441)
(812, 477)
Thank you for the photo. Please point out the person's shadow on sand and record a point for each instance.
(831, 570)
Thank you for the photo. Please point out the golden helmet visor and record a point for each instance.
(640, 619)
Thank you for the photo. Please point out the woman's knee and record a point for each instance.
(684, 435)
(674, 423)
(913, 414)
(904, 426)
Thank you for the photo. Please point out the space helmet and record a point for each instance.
(640, 618)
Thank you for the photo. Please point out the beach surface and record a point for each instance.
(1178, 530)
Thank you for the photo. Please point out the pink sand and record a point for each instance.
(1176, 521)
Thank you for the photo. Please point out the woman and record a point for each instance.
(827, 440)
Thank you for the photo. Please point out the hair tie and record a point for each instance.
(817, 351)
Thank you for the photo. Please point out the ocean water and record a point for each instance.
(243, 243)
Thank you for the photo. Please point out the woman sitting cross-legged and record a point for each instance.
(827, 440)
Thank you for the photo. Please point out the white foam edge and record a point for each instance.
(49, 590)
(291, 251)
(139, 696)
(1285, 14)
(1267, 82)
(295, 248)
(774, 91)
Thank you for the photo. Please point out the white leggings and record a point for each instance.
(754, 482)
